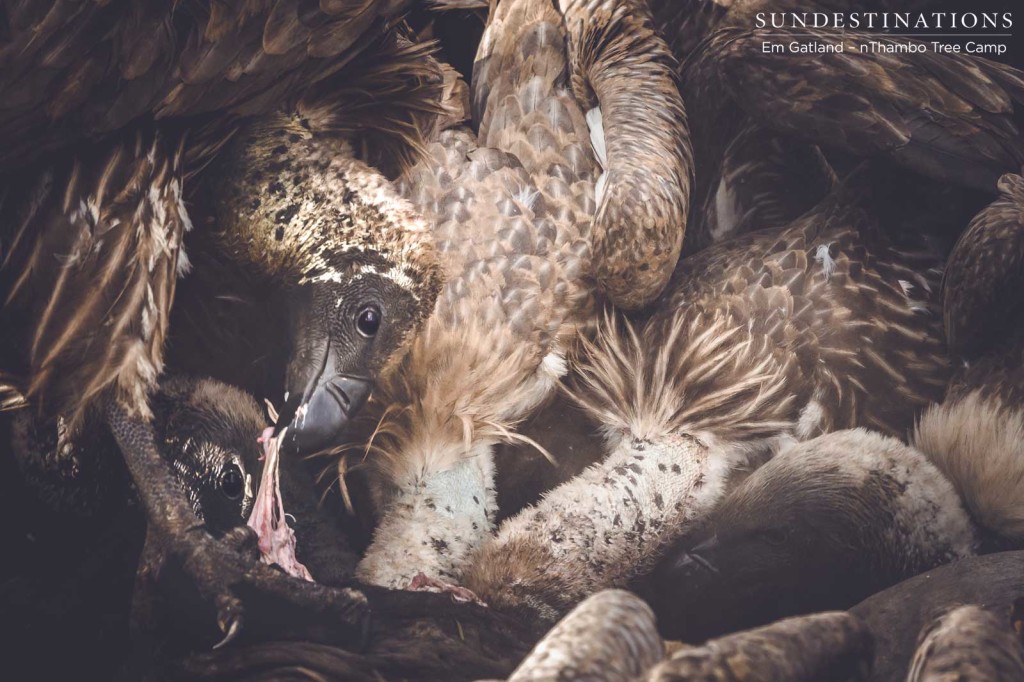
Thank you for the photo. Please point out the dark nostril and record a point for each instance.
(692, 562)
(339, 395)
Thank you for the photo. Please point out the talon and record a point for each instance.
(243, 540)
(423, 583)
(234, 626)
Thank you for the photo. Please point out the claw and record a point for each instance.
(424, 583)
(234, 626)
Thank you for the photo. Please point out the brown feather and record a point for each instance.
(984, 275)
(99, 308)
(621, 64)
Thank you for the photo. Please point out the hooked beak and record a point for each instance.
(695, 558)
(321, 419)
(318, 413)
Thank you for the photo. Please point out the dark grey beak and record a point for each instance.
(322, 414)
(697, 557)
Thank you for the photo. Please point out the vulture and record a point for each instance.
(78, 537)
(204, 432)
(776, 336)
(527, 247)
(115, 112)
(761, 120)
(829, 321)
(868, 508)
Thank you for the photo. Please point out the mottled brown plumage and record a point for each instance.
(74, 70)
(621, 66)
(779, 335)
(984, 275)
(90, 265)
(764, 181)
(123, 198)
(514, 213)
(511, 209)
(863, 103)
(117, 108)
(981, 419)
(967, 643)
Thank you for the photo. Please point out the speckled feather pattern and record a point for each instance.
(828, 291)
(602, 528)
(511, 210)
(756, 342)
(620, 64)
(296, 203)
(93, 259)
(89, 256)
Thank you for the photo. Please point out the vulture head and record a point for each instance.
(354, 261)
(205, 432)
(823, 525)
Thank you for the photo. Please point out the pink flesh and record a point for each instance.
(423, 583)
(276, 539)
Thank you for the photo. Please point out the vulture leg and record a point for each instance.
(171, 517)
(242, 591)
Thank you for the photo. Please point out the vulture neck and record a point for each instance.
(432, 522)
(605, 527)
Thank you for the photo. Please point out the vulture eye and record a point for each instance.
(368, 321)
(231, 482)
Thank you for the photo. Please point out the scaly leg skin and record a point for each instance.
(227, 576)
